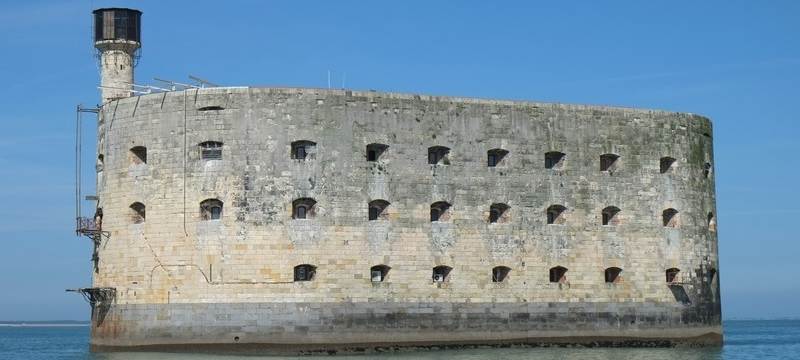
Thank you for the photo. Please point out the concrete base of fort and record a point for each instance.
(364, 327)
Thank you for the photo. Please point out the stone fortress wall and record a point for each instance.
(181, 278)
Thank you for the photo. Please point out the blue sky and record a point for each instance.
(734, 61)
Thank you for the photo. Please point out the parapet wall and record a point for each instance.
(175, 259)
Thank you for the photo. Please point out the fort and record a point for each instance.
(303, 219)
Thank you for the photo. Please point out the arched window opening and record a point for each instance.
(672, 275)
(211, 108)
(612, 275)
(438, 155)
(499, 273)
(610, 215)
(707, 170)
(670, 218)
(304, 272)
(211, 209)
(303, 149)
(666, 164)
(375, 151)
(498, 213)
(139, 155)
(558, 274)
(378, 273)
(555, 214)
(440, 211)
(211, 150)
(303, 208)
(608, 162)
(495, 157)
(712, 222)
(441, 273)
(100, 165)
(554, 160)
(137, 213)
(378, 210)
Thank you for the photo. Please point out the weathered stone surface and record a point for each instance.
(181, 279)
(345, 325)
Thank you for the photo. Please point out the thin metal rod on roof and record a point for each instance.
(173, 84)
(128, 90)
(149, 87)
(203, 81)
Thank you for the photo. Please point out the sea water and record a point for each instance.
(774, 339)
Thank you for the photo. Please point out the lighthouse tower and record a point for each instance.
(117, 37)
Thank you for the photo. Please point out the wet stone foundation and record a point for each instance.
(342, 327)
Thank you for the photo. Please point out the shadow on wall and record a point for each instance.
(680, 294)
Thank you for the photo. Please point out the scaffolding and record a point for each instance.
(97, 296)
(86, 226)
(100, 299)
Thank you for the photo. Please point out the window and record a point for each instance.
(377, 210)
(666, 164)
(211, 209)
(608, 162)
(139, 155)
(555, 214)
(98, 220)
(558, 274)
(554, 160)
(707, 170)
(378, 273)
(441, 273)
(495, 157)
(609, 215)
(499, 273)
(137, 213)
(497, 213)
(210, 108)
(211, 150)
(438, 155)
(440, 211)
(672, 275)
(304, 272)
(612, 275)
(670, 218)
(303, 208)
(712, 222)
(374, 151)
(100, 163)
(303, 149)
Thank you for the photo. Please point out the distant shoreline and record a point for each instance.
(44, 325)
(67, 323)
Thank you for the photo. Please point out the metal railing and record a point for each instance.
(86, 225)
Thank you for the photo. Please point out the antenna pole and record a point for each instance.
(77, 167)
